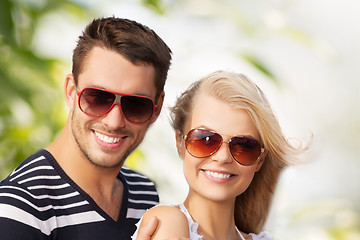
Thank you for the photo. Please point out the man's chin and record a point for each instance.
(105, 161)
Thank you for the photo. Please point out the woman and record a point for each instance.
(233, 151)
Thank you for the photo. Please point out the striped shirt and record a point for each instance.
(39, 201)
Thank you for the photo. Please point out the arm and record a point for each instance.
(163, 222)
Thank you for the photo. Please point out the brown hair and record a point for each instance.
(252, 206)
(136, 42)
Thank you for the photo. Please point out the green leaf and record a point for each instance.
(6, 23)
(255, 62)
(155, 5)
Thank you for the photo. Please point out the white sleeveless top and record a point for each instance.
(193, 227)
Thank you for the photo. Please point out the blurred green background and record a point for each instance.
(303, 54)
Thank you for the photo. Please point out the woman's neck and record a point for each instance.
(215, 218)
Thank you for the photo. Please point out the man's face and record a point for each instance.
(106, 141)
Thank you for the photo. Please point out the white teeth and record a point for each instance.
(217, 175)
(107, 139)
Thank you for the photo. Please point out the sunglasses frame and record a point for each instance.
(262, 149)
(117, 101)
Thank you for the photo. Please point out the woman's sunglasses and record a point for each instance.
(97, 102)
(203, 143)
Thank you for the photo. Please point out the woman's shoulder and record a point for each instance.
(261, 236)
(171, 221)
(165, 211)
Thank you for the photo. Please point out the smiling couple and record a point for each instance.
(230, 141)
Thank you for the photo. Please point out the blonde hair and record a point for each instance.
(252, 206)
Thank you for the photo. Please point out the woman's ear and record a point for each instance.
(70, 90)
(180, 145)
(261, 161)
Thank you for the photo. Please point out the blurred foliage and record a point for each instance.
(31, 101)
(136, 159)
(156, 5)
(338, 219)
(260, 66)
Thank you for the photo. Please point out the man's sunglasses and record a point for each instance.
(97, 102)
(203, 143)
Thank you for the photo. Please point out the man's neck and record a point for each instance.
(101, 184)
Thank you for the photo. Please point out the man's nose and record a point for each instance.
(114, 119)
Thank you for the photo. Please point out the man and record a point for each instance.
(77, 187)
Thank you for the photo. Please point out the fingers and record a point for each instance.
(146, 231)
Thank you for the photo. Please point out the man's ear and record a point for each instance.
(158, 108)
(70, 90)
(180, 144)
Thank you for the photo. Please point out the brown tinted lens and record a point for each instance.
(202, 143)
(96, 102)
(244, 150)
(137, 109)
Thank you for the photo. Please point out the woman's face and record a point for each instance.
(218, 177)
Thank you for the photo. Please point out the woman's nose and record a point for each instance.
(222, 155)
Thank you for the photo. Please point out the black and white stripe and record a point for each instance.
(142, 194)
(38, 194)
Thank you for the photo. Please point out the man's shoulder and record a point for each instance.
(39, 199)
(136, 181)
(37, 161)
(135, 178)
(141, 192)
(31, 185)
(21, 201)
(31, 169)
